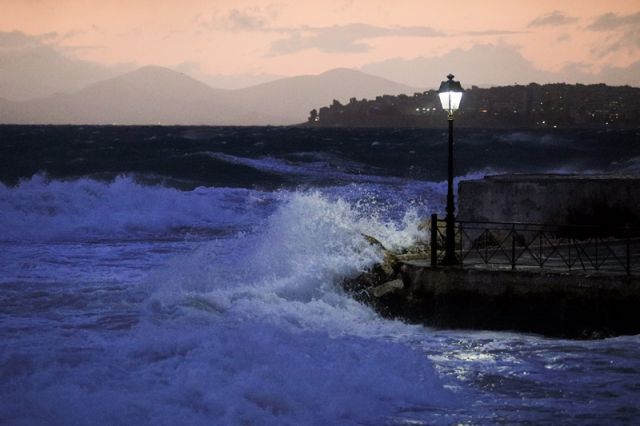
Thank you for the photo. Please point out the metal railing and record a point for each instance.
(540, 246)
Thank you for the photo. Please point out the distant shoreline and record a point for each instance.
(441, 126)
(549, 106)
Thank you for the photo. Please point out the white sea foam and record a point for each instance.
(39, 209)
(249, 329)
(42, 209)
(284, 344)
(252, 327)
(297, 256)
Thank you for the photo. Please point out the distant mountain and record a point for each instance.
(294, 97)
(32, 67)
(149, 95)
(152, 95)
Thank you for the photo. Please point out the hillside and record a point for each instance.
(156, 95)
(149, 95)
(294, 97)
(532, 106)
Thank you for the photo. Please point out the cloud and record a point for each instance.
(248, 19)
(349, 38)
(34, 66)
(623, 33)
(16, 40)
(81, 47)
(243, 20)
(188, 67)
(614, 76)
(343, 38)
(493, 32)
(412, 32)
(224, 81)
(553, 19)
(325, 42)
(611, 21)
(235, 81)
(629, 75)
(477, 66)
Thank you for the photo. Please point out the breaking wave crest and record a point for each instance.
(248, 328)
(276, 316)
(42, 209)
(309, 243)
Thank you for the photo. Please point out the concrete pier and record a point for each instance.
(552, 199)
(547, 276)
(569, 305)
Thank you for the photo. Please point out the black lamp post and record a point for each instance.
(450, 93)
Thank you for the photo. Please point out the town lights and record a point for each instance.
(450, 94)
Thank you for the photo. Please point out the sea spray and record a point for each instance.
(290, 346)
(249, 327)
(40, 209)
(298, 254)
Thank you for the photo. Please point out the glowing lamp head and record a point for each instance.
(450, 93)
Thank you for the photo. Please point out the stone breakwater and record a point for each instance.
(571, 304)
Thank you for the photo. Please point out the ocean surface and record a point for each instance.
(190, 275)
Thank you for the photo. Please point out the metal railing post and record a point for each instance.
(461, 246)
(485, 238)
(540, 248)
(513, 246)
(434, 239)
(628, 255)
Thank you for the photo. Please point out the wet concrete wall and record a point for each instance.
(553, 304)
(555, 199)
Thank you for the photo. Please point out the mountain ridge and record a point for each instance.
(158, 95)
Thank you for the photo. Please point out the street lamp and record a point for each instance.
(450, 93)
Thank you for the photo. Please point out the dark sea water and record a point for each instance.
(189, 275)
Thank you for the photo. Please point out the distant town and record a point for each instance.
(532, 106)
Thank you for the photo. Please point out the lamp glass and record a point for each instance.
(450, 100)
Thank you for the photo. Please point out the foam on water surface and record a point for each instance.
(249, 329)
(113, 311)
(80, 209)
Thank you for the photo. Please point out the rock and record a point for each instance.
(388, 287)
(374, 242)
(381, 284)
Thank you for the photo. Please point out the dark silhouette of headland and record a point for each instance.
(533, 106)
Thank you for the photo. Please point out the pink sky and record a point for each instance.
(283, 37)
